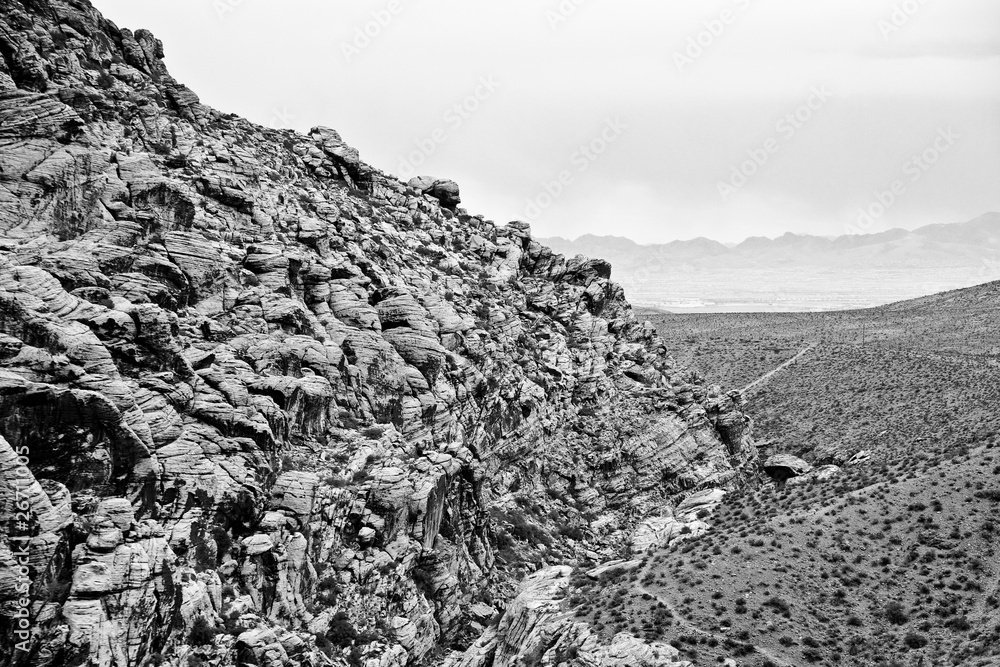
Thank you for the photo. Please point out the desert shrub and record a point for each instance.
(567, 655)
(341, 632)
(527, 532)
(913, 640)
(204, 558)
(324, 645)
(202, 632)
(959, 624)
(223, 541)
(779, 606)
(572, 532)
(896, 614)
(327, 590)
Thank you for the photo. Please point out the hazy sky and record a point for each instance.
(723, 119)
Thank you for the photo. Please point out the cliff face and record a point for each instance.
(261, 403)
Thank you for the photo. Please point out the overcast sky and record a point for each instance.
(671, 96)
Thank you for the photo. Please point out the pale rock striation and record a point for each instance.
(817, 474)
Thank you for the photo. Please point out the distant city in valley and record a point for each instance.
(798, 272)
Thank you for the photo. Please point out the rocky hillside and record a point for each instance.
(261, 403)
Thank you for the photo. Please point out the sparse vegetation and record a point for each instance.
(891, 559)
(202, 632)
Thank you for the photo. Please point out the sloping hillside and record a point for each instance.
(881, 380)
(882, 550)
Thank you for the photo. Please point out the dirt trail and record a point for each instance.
(767, 376)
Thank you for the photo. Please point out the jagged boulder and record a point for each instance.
(687, 520)
(817, 474)
(332, 156)
(443, 190)
(782, 467)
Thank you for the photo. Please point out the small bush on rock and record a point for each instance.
(202, 632)
(341, 631)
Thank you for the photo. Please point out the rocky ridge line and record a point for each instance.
(280, 408)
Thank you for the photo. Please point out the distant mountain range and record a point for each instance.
(797, 271)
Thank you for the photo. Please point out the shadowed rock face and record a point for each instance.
(444, 190)
(782, 467)
(249, 383)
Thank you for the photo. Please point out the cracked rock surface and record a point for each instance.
(261, 403)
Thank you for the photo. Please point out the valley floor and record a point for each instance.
(889, 556)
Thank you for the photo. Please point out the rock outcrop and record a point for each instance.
(443, 190)
(539, 629)
(782, 467)
(261, 403)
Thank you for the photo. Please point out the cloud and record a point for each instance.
(560, 82)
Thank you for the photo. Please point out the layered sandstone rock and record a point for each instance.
(275, 404)
(538, 628)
